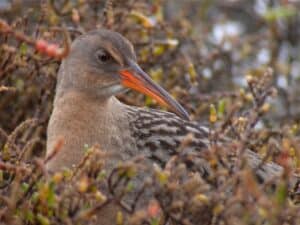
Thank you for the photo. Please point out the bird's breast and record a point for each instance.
(81, 124)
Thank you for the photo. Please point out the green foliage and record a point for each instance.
(281, 12)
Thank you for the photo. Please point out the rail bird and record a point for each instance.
(101, 64)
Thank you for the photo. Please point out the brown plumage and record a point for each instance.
(86, 112)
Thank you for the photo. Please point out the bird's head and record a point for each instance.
(103, 63)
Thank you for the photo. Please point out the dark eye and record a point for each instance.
(103, 56)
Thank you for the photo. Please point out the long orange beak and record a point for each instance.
(135, 78)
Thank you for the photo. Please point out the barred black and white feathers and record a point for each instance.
(159, 135)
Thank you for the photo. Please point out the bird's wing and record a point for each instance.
(160, 135)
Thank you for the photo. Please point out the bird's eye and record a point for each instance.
(103, 56)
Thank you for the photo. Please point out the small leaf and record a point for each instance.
(19, 84)
(147, 22)
(149, 101)
(265, 108)
(281, 193)
(131, 172)
(192, 72)
(212, 114)
(29, 216)
(57, 177)
(42, 219)
(100, 196)
(23, 48)
(130, 187)
(172, 42)
(86, 147)
(202, 198)
(154, 221)
(24, 186)
(120, 218)
(158, 50)
(262, 212)
(156, 74)
(83, 184)
(161, 176)
(221, 108)
(102, 175)
(218, 209)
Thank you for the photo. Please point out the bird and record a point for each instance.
(101, 64)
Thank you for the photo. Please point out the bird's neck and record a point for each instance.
(80, 120)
